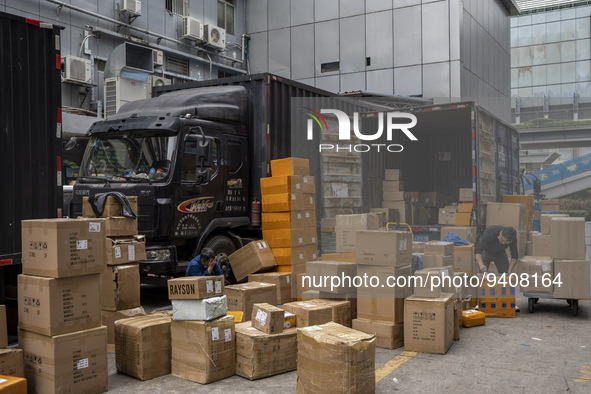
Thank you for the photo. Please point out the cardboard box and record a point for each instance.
(388, 335)
(125, 250)
(447, 216)
(433, 199)
(418, 247)
(439, 248)
(203, 351)
(540, 244)
(295, 255)
(347, 226)
(3, 328)
(288, 238)
(463, 219)
(119, 226)
(350, 297)
(528, 203)
(309, 314)
(393, 175)
(242, 297)
(341, 309)
(282, 281)
(310, 218)
(394, 196)
(253, 257)
(388, 248)
(327, 225)
(289, 320)
(466, 195)
(309, 184)
(111, 207)
(434, 261)
(473, 318)
(260, 355)
(545, 221)
(282, 184)
(425, 286)
(541, 272)
(348, 257)
(319, 270)
(465, 232)
(267, 318)
(13, 385)
(550, 205)
(109, 318)
(310, 295)
(381, 309)
(403, 210)
(299, 286)
(576, 279)
(308, 202)
(205, 309)
(143, 346)
(464, 258)
(61, 248)
(120, 287)
(465, 207)
(290, 166)
(383, 273)
(335, 359)
(284, 202)
(69, 363)
(195, 287)
(505, 214)
(429, 324)
(497, 299)
(52, 306)
(11, 362)
(392, 186)
(387, 214)
(568, 238)
(283, 220)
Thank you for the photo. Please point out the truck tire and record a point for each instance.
(222, 246)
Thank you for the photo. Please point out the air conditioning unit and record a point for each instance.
(76, 70)
(215, 36)
(158, 57)
(119, 91)
(156, 81)
(192, 29)
(133, 7)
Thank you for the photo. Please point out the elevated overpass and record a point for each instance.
(562, 179)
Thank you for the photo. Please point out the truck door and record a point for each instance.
(236, 188)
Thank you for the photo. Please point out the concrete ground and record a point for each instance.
(548, 351)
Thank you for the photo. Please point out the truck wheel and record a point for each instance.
(222, 247)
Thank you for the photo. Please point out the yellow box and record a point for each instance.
(290, 166)
(283, 220)
(283, 202)
(237, 316)
(473, 318)
(295, 255)
(289, 320)
(347, 257)
(463, 218)
(497, 307)
(282, 268)
(13, 385)
(282, 184)
(465, 207)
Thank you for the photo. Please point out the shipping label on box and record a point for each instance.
(540, 270)
(52, 306)
(61, 248)
(388, 248)
(447, 216)
(429, 324)
(267, 318)
(68, 363)
(253, 257)
(195, 287)
(120, 287)
(111, 207)
(125, 250)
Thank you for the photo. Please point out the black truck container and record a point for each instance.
(30, 144)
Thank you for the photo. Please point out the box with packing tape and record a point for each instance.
(282, 280)
(268, 318)
(388, 248)
(429, 324)
(283, 220)
(125, 250)
(242, 297)
(195, 287)
(253, 257)
(309, 314)
(120, 287)
(473, 318)
(110, 317)
(291, 237)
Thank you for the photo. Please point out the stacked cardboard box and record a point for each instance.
(11, 360)
(509, 215)
(289, 215)
(60, 332)
(254, 257)
(528, 203)
(380, 310)
(242, 297)
(347, 227)
(465, 232)
(464, 214)
(537, 268)
(281, 280)
(336, 359)
(310, 313)
(438, 254)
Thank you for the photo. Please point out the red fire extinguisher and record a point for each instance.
(255, 213)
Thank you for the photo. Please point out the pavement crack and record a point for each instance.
(566, 382)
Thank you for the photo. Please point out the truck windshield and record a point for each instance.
(129, 158)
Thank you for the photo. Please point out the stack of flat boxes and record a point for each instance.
(202, 333)
(459, 214)
(289, 215)
(380, 310)
(438, 254)
(120, 279)
(463, 261)
(60, 332)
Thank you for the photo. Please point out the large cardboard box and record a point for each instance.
(528, 203)
(463, 219)
(384, 285)
(119, 226)
(259, 355)
(243, 296)
(11, 362)
(3, 327)
(541, 244)
(195, 287)
(335, 359)
(392, 186)
(403, 209)
(143, 346)
(283, 220)
(576, 279)
(111, 207)
(447, 216)
(120, 287)
(61, 248)
(282, 280)
(52, 306)
(309, 184)
(387, 214)
(433, 199)
(282, 184)
(295, 255)
(389, 309)
(568, 238)
(428, 283)
(341, 309)
(464, 258)
(465, 195)
(545, 221)
(344, 271)
(109, 318)
(393, 175)
(284, 202)
(69, 363)
(268, 318)
(125, 250)
(465, 232)
(439, 248)
(205, 309)
(434, 261)
(290, 166)
(388, 248)
(308, 313)
(310, 218)
(347, 225)
(388, 335)
(505, 214)
(204, 351)
(289, 238)
(540, 270)
(429, 324)
(253, 257)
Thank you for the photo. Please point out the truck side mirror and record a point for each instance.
(203, 174)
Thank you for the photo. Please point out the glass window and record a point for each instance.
(226, 15)
(189, 162)
(178, 7)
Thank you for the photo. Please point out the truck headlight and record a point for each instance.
(158, 254)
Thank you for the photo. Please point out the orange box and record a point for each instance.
(282, 184)
(284, 202)
(465, 207)
(290, 166)
(473, 318)
(282, 268)
(13, 385)
(463, 218)
(497, 307)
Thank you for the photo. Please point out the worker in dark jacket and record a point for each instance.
(492, 246)
(203, 265)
